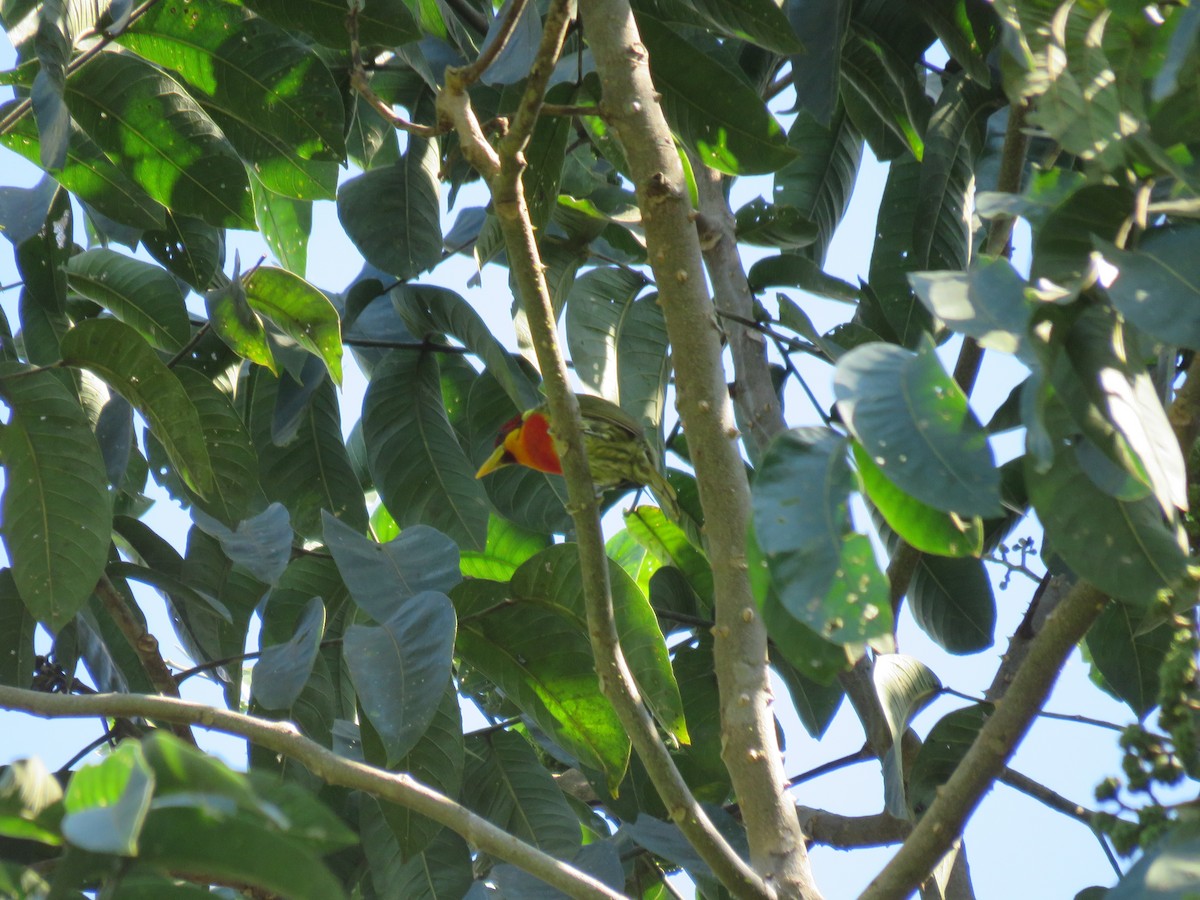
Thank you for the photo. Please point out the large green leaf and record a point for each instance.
(301, 311)
(89, 175)
(16, 634)
(894, 254)
(1167, 870)
(283, 669)
(619, 343)
(760, 22)
(286, 225)
(816, 73)
(700, 763)
(438, 871)
(428, 311)
(1124, 661)
(952, 601)
(508, 545)
(236, 492)
(382, 577)
(922, 526)
(437, 759)
(553, 577)
(903, 685)
(1157, 286)
(57, 510)
(987, 303)
(945, 746)
(153, 129)
(414, 457)
(238, 326)
(139, 294)
(803, 547)
(106, 803)
(120, 356)
(270, 94)
(541, 660)
(715, 112)
(883, 96)
(392, 214)
(507, 784)
(387, 23)
(668, 543)
(189, 248)
(1079, 517)
(311, 474)
(914, 422)
(953, 141)
(400, 668)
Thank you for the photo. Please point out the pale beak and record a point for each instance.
(493, 462)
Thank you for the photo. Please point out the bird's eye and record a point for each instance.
(507, 428)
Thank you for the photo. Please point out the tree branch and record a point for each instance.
(749, 749)
(994, 745)
(474, 71)
(284, 739)
(144, 644)
(851, 832)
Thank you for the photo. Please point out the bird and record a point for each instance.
(618, 454)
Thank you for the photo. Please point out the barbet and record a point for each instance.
(617, 451)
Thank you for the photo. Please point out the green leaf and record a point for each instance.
(668, 543)
(235, 323)
(508, 545)
(903, 685)
(236, 493)
(107, 803)
(262, 544)
(57, 510)
(141, 295)
(120, 356)
(987, 303)
(700, 762)
(914, 421)
(301, 311)
(541, 659)
(415, 459)
(952, 601)
(554, 577)
(824, 573)
(268, 92)
(1126, 661)
(88, 174)
(1072, 218)
(925, 528)
(1168, 870)
(430, 311)
(945, 746)
(774, 225)
(236, 848)
(716, 113)
(30, 802)
(815, 703)
(146, 122)
(437, 759)
(966, 29)
(820, 180)
(1079, 517)
(400, 668)
(1157, 286)
(895, 254)
(954, 139)
(792, 270)
(188, 248)
(756, 21)
(883, 96)
(437, 872)
(310, 475)
(383, 577)
(387, 23)
(17, 626)
(283, 669)
(286, 225)
(507, 785)
(392, 214)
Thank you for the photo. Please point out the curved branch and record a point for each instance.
(284, 739)
(997, 740)
(749, 749)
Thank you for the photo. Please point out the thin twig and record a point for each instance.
(362, 84)
(861, 755)
(189, 346)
